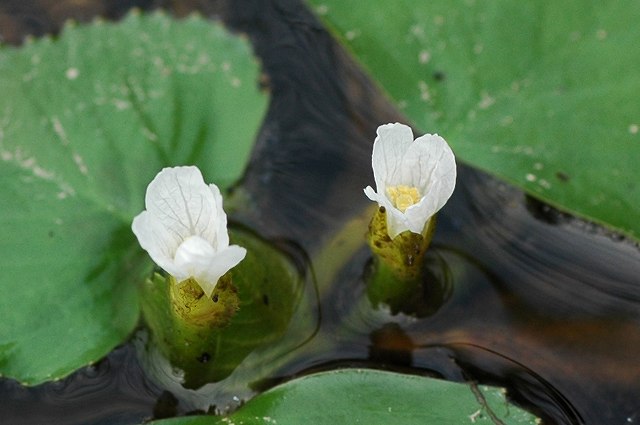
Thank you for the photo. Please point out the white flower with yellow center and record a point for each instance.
(414, 178)
(184, 228)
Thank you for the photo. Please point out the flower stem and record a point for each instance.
(397, 274)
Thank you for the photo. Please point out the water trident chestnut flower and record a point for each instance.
(414, 178)
(184, 228)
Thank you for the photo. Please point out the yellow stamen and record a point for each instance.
(402, 197)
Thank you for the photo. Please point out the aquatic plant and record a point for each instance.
(414, 178)
(184, 228)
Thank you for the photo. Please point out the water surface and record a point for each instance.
(538, 302)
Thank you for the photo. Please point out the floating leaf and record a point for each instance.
(352, 396)
(544, 95)
(86, 121)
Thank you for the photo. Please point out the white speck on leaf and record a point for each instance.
(121, 105)
(30, 164)
(149, 134)
(527, 150)
(203, 59)
(544, 184)
(322, 9)
(634, 128)
(352, 34)
(474, 416)
(72, 73)
(506, 121)
(486, 100)
(530, 177)
(42, 173)
(80, 163)
(59, 130)
(424, 91)
(601, 34)
(417, 31)
(424, 57)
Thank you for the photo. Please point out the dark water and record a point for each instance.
(543, 304)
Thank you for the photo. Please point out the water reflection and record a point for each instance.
(547, 306)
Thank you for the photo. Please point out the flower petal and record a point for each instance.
(397, 223)
(432, 153)
(389, 149)
(426, 164)
(217, 266)
(371, 194)
(193, 256)
(153, 238)
(181, 202)
(221, 238)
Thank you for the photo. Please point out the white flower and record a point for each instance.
(184, 228)
(414, 179)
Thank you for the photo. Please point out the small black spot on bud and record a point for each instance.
(215, 298)
(383, 210)
(204, 358)
(265, 299)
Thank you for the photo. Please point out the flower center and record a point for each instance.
(402, 197)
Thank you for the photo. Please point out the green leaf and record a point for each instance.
(371, 397)
(542, 94)
(86, 121)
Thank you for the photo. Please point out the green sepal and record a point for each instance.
(196, 310)
(404, 254)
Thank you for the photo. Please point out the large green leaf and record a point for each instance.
(543, 94)
(86, 121)
(353, 396)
